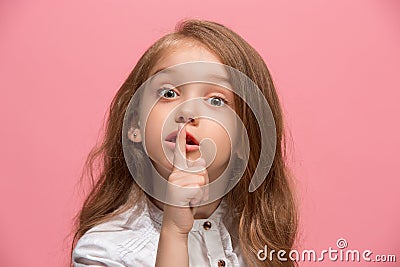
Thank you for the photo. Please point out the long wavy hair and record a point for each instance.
(267, 216)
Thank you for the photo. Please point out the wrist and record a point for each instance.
(173, 231)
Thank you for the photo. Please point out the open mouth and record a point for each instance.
(191, 141)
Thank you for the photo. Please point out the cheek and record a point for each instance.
(224, 145)
(153, 130)
(221, 139)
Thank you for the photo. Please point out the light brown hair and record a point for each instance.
(267, 216)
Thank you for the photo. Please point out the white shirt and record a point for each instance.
(128, 240)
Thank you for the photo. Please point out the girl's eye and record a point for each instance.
(167, 93)
(216, 101)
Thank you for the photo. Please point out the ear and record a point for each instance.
(134, 135)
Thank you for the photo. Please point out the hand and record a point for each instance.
(185, 188)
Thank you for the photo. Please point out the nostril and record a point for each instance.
(181, 119)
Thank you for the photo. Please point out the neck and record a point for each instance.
(202, 212)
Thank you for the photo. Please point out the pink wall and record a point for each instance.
(336, 65)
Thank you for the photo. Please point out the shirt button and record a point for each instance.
(207, 226)
(221, 263)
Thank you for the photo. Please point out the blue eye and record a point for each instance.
(167, 93)
(216, 101)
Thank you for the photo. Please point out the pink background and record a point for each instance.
(336, 65)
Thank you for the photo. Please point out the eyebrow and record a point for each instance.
(165, 69)
(161, 69)
(216, 78)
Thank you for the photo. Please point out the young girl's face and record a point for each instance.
(177, 105)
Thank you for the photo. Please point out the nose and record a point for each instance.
(186, 115)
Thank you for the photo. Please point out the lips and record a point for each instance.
(191, 142)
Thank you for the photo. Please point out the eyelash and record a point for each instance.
(165, 89)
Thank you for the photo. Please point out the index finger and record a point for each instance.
(180, 162)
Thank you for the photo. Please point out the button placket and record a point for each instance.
(213, 242)
(221, 263)
(207, 225)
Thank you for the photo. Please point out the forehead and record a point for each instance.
(183, 52)
(190, 61)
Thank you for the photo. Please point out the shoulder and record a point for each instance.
(128, 238)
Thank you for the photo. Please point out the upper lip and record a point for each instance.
(189, 138)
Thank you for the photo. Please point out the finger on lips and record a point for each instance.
(197, 178)
(180, 149)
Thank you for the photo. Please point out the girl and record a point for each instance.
(120, 224)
